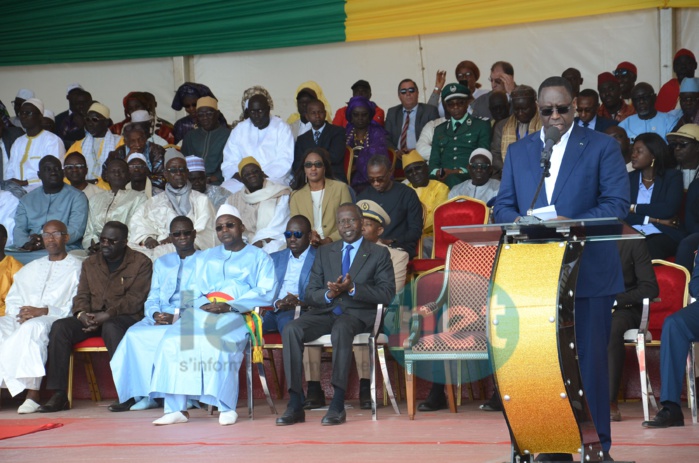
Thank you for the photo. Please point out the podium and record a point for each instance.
(530, 324)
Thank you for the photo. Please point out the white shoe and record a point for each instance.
(227, 418)
(171, 418)
(29, 406)
(144, 404)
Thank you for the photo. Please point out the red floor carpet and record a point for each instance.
(14, 428)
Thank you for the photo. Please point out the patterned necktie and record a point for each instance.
(345, 270)
(316, 136)
(403, 144)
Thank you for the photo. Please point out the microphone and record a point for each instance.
(551, 137)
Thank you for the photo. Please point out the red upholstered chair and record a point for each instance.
(461, 303)
(86, 347)
(461, 210)
(673, 283)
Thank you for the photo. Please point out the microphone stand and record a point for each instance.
(530, 218)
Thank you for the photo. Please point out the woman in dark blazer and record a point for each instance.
(656, 195)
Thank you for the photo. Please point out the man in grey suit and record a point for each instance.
(348, 279)
(405, 121)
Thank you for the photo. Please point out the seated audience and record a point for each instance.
(343, 306)
(98, 141)
(405, 121)
(402, 201)
(30, 148)
(639, 283)
(54, 200)
(523, 121)
(455, 140)
(684, 145)
(42, 292)
(656, 195)
(613, 105)
(317, 196)
(684, 65)
(575, 79)
(8, 208)
(115, 205)
(626, 73)
(23, 95)
(140, 176)
(467, 74)
(424, 143)
(323, 135)
(162, 128)
(245, 100)
(647, 118)
(136, 141)
(186, 98)
(70, 124)
(619, 135)
(150, 231)
(208, 139)
(365, 137)
(75, 170)
(500, 107)
(689, 102)
(587, 105)
(159, 131)
(502, 79)
(431, 193)
(481, 186)
(173, 276)
(144, 119)
(8, 136)
(231, 280)
(292, 270)
(267, 139)
(48, 122)
(305, 93)
(359, 88)
(133, 101)
(198, 178)
(679, 331)
(8, 267)
(113, 286)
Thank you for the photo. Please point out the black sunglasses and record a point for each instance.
(316, 164)
(559, 109)
(228, 225)
(176, 170)
(621, 72)
(297, 234)
(679, 144)
(403, 91)
(177, 234)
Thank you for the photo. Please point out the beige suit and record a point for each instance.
(336, 193)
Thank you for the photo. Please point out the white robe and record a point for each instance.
(132, 363)
(8, 207)
(106, 207)
(152, 219)
(200, 355)
(272, 147)
(23, 347)
(26, 153)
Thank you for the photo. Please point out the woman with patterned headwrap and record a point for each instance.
(247, 94)
(365, 136)
(186, 98)
(306, 92)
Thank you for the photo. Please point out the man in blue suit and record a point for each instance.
(587, 106)
(588, 180)
(292, 269)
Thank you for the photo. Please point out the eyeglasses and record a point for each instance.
(95, 119)
(679, 144)
(227, 225)
(464, 75)
(403, 91)
(138, 167)
(74, 167)
(621, 72)
(55, 235)
(546, 112)
(479, 165)
(347, 221)
(297, 234)
(109, 241)
(383, 178)
(176, 170)
(316, 164)
(177, 234)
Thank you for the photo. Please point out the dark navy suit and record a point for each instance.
(601, 123)
(276, 321)
(592, 183)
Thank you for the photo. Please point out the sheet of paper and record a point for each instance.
(545, 213)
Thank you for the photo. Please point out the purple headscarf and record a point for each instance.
(190, 89)
(360, 102)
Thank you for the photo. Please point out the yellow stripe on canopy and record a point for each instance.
(379, 19)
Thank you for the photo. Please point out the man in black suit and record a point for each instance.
(323, 134)
(588, 104)
(405, 121)
(348, 279)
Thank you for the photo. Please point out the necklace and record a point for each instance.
(355, 142)
(648, 179)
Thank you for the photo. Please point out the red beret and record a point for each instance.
(606, 77)
(684, 52)
(628, 66)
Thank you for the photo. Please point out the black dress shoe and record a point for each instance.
(291, 416)
(607, 457)
(554, 457)
(365, 399)
(57, 402)
(314, 402)
(432, 404)
(333, 418)
(664, 419)
(492, 405)
(123, 406)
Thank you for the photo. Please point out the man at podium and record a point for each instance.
(587, 179)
